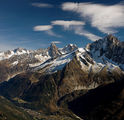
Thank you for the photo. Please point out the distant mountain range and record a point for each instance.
(63, 81)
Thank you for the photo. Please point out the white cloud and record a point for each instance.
(77, 27)
(50, 32)
(67, 24)
(80, 31)
(56, 42)
(42, 28)
(42, 5)
(47, 29)
(104, 17)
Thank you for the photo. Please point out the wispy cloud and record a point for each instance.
(104, 17)
(80, 31)
(77, 27)
(67, 24)
(47, 29)
(42, 27)
(50, 32)
(42, 5)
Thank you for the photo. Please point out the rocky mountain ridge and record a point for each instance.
(104, 53)
(21, 60)
(68, 75)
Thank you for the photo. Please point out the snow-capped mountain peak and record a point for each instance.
(109, 50)
(105, 53)
(69, 48)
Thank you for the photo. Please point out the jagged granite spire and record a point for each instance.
(53, 50)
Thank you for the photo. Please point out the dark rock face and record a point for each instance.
(53, 51)
(109, 47)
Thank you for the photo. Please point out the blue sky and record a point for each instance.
(34, 24)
